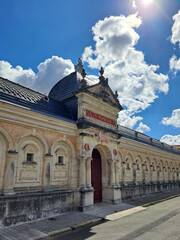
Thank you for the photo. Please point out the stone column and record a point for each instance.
(151, 173)
(117, 173)
(169, 174)
(123, 172)
(173, 174)
(113, 192)
(10, 172)
(82, 172)
(86, 191)
(134, 168)
(112, 172)
(163, 172)
(143, 173)
(158, 173)
(88, 172)
(47, 172)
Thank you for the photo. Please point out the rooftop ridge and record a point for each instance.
(153, 142)
(22, 86)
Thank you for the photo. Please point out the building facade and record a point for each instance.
(65, 151)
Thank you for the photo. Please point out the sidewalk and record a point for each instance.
(45, 228)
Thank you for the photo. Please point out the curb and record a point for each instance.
(160, 200)
(71, 228)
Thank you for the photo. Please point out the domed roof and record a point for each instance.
(65, 88)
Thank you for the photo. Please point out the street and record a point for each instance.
(160, 221)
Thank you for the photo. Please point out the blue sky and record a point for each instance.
(136, 41)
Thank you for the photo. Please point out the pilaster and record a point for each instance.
(82, 172)
(88, 172)
(9, 177)
(112, 172)
(47, 172)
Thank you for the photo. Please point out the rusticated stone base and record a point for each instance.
(112, 195)
(86, 199)
(136, 190)
(30, 206)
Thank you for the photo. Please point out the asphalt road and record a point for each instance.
(160, 221)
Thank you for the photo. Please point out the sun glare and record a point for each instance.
(147, 2)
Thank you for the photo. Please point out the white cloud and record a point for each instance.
(174, 62)
(134, 4)
(93, 78)
(126, 119)
(17, 74)
(174, 120)
(171, 140)
(143, 128)
(137, 83)
(176, 29)
(49, 72)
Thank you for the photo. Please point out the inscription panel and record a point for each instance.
(28, 174)
(60, 175)
(99, 117)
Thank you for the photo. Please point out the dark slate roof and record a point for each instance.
(22, 96)
(66, 87)
(140, 137)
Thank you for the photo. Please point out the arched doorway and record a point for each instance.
(96, 175)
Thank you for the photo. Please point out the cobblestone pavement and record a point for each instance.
(45, 228)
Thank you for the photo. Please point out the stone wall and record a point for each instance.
(30, 206)
(133, 191)
(36, 158)
(38, 166)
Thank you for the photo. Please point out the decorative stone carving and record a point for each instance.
(83, 81)
(79, 66)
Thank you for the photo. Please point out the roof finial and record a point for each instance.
(79, 66)
(83, 73)
(101, 71)
(83, 81)
(102, 78)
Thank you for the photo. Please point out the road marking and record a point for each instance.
(124, 213)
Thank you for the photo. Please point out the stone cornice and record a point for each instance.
(85, 124)
(21, 115)
(147, 149)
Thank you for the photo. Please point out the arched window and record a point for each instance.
(61, 156)
(30, 154)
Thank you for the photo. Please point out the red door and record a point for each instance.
(96, 175)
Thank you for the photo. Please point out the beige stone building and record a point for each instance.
(65, 151)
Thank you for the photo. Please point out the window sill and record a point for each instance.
(60, 164)
(29, 163)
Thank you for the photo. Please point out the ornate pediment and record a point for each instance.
(103, 91)
(97, 103)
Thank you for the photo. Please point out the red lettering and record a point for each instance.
(100, 117)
